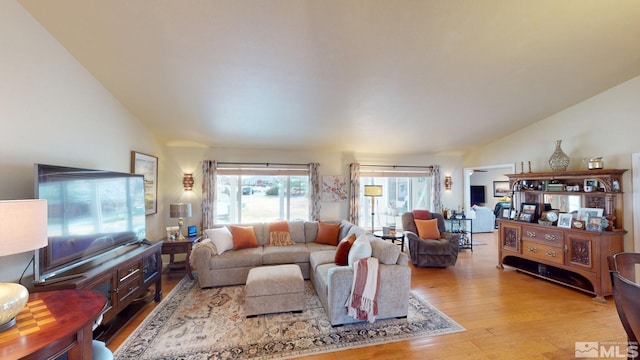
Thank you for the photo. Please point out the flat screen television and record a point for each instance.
(90, 213)
(477, 194)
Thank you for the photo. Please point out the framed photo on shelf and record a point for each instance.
(526, 217)
(577, 224)
(594, 223)
(585, 213)
(512, 214)
(529, 208)
(505, 213)
(564, 220)
(147, 166)
(172, 232)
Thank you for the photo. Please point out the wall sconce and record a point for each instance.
(447, 182)
(187, 182)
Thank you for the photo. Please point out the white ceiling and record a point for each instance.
(403, 76)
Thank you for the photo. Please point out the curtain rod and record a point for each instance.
(265, 164)
(402, 166)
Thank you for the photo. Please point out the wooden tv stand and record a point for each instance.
(123, 276)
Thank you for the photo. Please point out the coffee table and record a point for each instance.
(397, 236)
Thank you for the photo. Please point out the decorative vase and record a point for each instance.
(559, 161)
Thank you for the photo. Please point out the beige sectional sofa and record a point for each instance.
(316, 261)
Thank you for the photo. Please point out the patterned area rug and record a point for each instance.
(194, 323)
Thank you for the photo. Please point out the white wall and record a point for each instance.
(605, 125)
(53, 111)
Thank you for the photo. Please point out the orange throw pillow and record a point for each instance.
(342, 252)
(280, 225)
(428, 229)
(327, 233)
(243, 237)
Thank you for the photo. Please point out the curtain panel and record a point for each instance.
(209, 171)
(354, 193)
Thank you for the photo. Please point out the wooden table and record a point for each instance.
(53, 323)
(172, 247)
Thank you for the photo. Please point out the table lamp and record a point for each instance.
(180, 211)
(373, 191)
(23, 227)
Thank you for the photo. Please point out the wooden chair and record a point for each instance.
(626, 292)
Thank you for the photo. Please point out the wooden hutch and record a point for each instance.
(573, 255)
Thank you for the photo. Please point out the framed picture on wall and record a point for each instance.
(147, 166)
(500, 188)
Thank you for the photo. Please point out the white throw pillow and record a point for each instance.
(360, 249)
(221, 238)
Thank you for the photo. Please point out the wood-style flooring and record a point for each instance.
(506, 314)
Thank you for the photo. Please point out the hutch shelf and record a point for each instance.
(572, 255)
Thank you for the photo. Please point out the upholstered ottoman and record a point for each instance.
(274, 289)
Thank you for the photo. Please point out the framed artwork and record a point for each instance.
(147, 165)
(585, 213)
(564, 220)
(505, 213)
(512, 215)
(334, 188)
(172, 232)
(594, 223)
(500, 188)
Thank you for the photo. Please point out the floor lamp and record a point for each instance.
(373, 191)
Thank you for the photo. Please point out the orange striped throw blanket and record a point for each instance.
(362, 304)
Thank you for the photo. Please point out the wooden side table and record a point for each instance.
(172, 247)
(52, 323)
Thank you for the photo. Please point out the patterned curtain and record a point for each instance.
(354, 193)
(436, 188)
(209, 171)
(315, 194)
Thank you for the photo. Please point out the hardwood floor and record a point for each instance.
(506, 314)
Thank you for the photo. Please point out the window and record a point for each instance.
(260, 195)
(399, 194)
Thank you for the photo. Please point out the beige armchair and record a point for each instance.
(440, 252)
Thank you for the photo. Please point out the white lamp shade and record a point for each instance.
(23, 225)
(373, 190)
(180, 210)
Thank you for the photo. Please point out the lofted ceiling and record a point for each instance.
(403, 76)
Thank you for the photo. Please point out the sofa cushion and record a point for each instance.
(328, 233)
(296, 229)
(237, 259)
(321, 257)
(280, 238)
(428, 229)
(386, 252)
(360, 249)
(221, 238)
(342, 252)
(272, 255)
(244, 237)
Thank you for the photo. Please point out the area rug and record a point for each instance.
(194, 323)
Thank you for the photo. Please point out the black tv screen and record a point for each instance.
(90, 213)
(477, 194)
